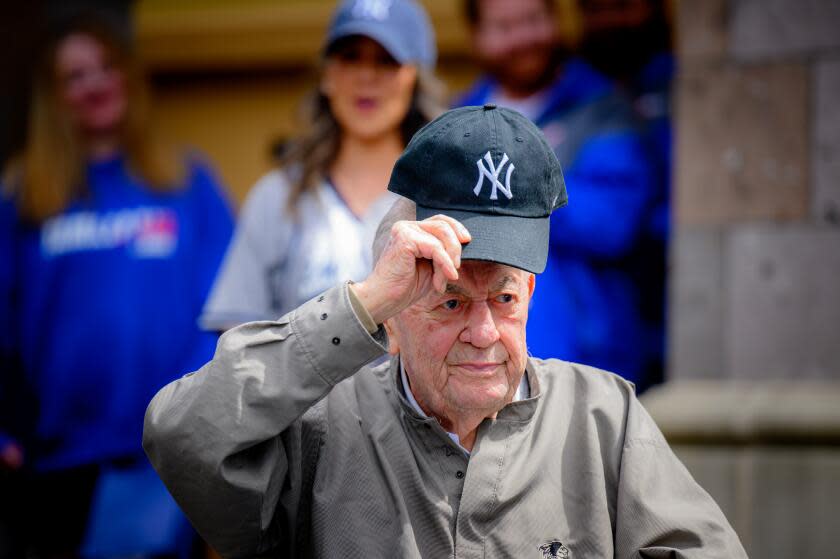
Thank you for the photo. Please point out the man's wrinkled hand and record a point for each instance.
(420, 256)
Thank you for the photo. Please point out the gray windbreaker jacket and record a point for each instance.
(286, 445)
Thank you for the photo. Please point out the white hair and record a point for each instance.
(403, 209)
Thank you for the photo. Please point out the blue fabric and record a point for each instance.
(133, 515)
(578, 84)
(586, 305)
(652, 91)
(98, 305)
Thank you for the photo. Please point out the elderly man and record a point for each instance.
(462, 446)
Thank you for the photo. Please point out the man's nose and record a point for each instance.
(480, 329)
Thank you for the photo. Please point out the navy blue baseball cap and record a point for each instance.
(491, 169)
(402, 27)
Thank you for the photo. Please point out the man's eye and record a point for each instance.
(451, 304)
(504, 298)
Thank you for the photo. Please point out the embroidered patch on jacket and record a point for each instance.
(554, 550)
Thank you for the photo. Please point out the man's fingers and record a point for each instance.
(11, 456)
(442, 261)
(446, 231)
(461, 231)
(432, 248)
(415, 261)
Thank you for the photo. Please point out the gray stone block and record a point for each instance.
(747, 412)
(826, 130)
(784, 302)
(695, 333)
(766, 451)
(780, 28)
(702, 28)
(794, 495)
(780, 500)
(742, 143)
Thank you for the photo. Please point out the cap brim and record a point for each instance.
(372, 30)
(521, 242)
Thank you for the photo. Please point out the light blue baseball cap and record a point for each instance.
(402, 27)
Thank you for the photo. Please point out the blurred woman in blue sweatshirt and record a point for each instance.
(109, 243)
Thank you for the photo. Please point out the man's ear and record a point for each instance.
(532, 283)
(393, 342)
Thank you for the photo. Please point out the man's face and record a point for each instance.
(464, 350)
(514, 40)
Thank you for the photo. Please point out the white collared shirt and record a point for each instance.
(523, 391)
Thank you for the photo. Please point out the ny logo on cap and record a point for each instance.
(372, 9)
(492, 175)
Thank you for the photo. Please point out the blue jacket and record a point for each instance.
(98, 309)
(586, 304)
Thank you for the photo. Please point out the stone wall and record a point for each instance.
(755, 289)
(769, 454)
(752, 401)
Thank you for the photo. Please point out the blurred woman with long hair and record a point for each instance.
(109, 243)
(310, 223)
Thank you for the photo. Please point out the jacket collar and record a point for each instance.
(577, 83)
(521, 411)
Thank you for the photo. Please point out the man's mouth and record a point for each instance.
(478, 368)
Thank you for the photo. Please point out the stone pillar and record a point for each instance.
(752, 401)
(756, 259)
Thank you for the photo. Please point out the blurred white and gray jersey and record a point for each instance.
(277, 260)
